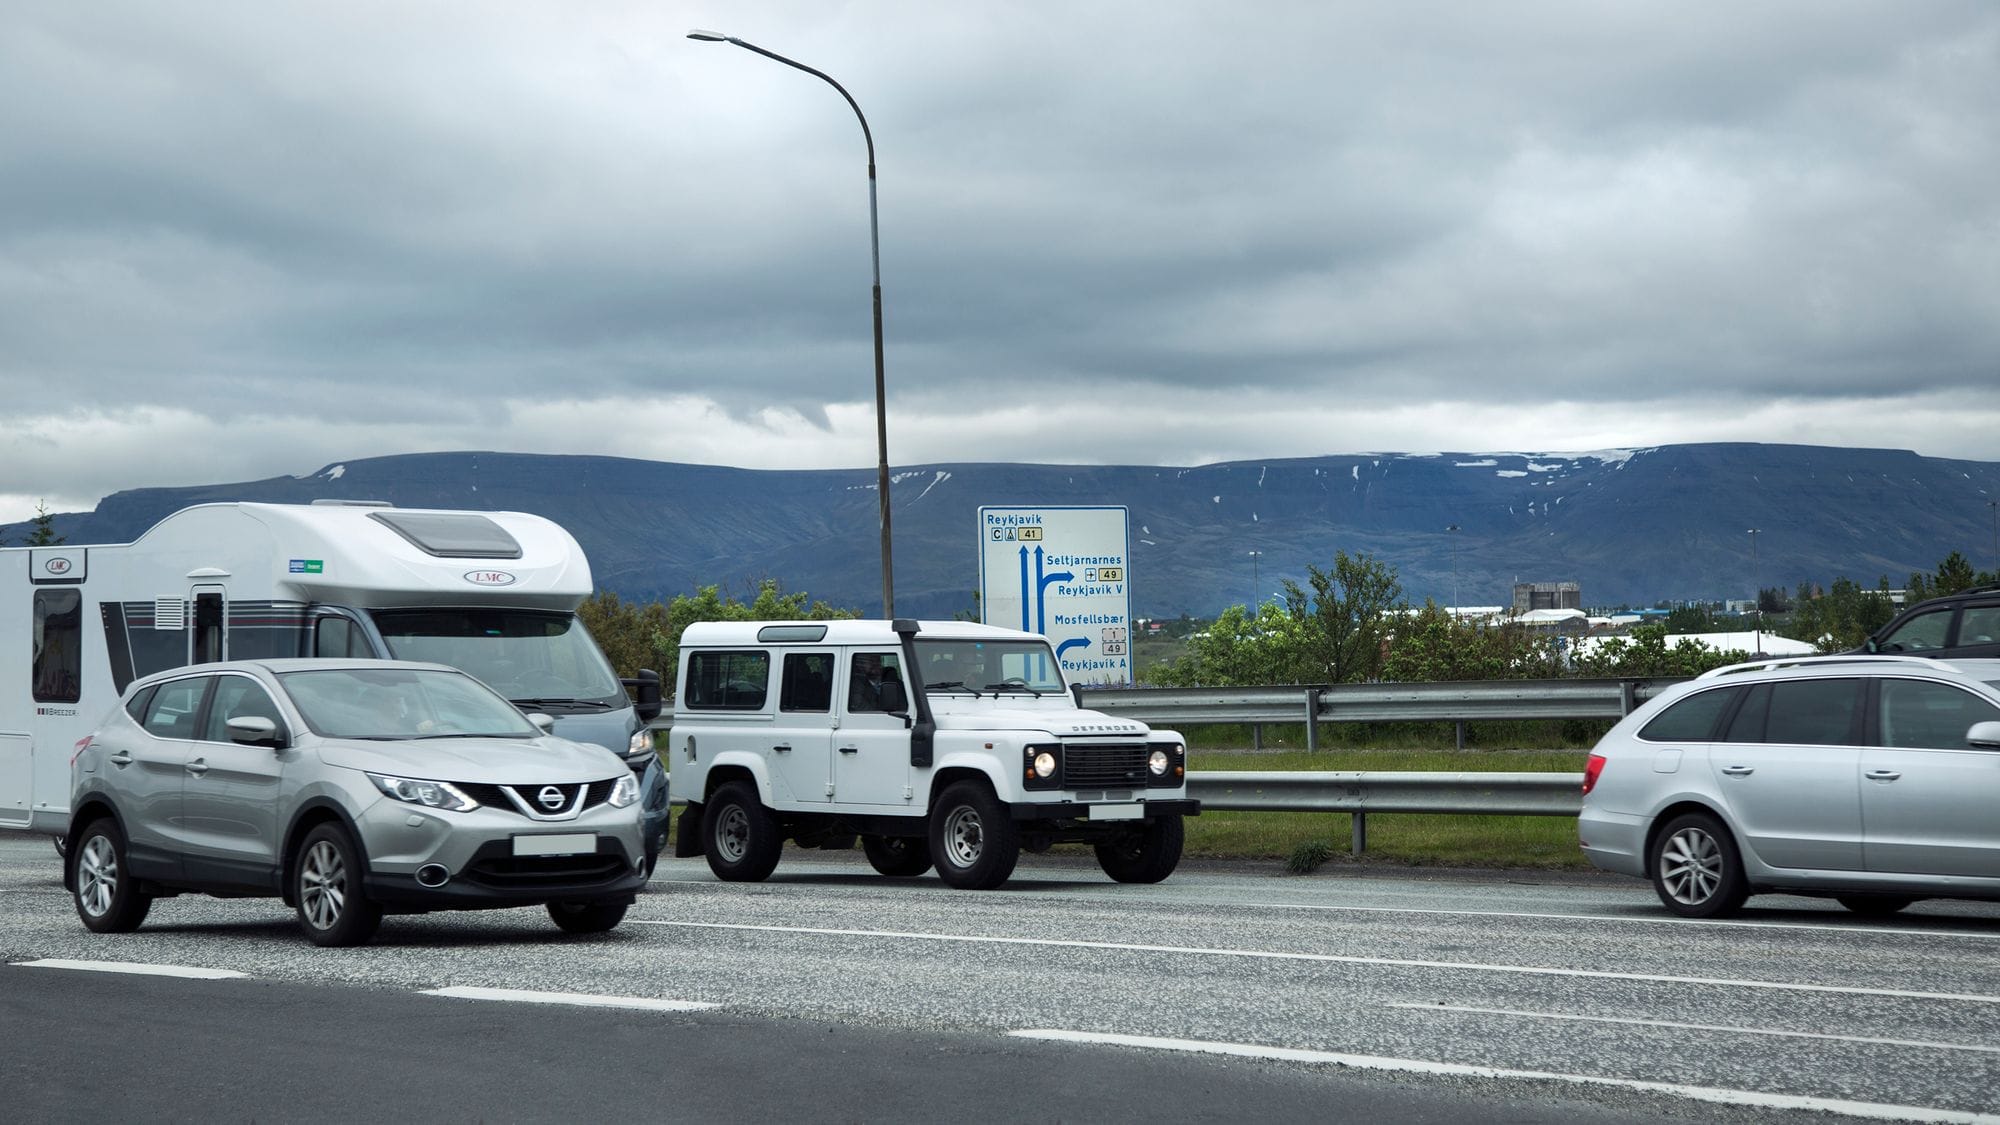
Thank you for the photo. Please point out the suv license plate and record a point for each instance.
(1117, 812)
(570, 844)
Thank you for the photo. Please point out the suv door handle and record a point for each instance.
(1884, 775)
(1739, 771)
(781, 749)
(197, 767)
(850, 749)
(121, 758)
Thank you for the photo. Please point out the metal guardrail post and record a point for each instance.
(1628, 695)
(1360, 832)
(1312, 720)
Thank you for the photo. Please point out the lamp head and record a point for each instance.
(708, 36)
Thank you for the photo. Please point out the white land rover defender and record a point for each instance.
(935, 742)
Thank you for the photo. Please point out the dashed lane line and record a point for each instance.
(134, 968)
(1730, 1029)
(573, 999)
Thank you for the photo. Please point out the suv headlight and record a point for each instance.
(1166, 765)
(430, 794)
(624, 792)
(1041, 767)
(640, 742)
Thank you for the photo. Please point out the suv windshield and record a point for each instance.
(400, 703)
(532, 657)
(996, 666)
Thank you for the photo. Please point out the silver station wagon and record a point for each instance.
(350, 788)
(1874, 780)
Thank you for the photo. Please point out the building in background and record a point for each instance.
(1531, 596)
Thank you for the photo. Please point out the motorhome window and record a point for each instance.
(339, 636)
(208, 638)
(451, 535)
(727, 681)
(523, 654)
(235, 697)
(57, 670)
(808, 683)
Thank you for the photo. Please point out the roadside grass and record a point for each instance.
(1416, 839)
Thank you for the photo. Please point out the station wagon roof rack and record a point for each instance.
(1841, 658)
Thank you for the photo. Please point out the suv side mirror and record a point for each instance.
(646, 694)
(895, 699)
(547, 723)
(256, 730)
(1984, 736)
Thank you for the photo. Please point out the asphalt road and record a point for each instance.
(1227, 992)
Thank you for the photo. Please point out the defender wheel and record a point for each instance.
(898, 856)
(108, 899)
(1696, 870)
(974, 843)
(326, 885)
(740, 835)
(1148, 855)
(586, 917)
(1874, 906)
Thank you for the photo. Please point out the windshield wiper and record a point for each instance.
(547, 703)
(1014, 685)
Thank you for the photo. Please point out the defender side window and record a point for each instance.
(875, 682)
(727, 681)
(808, 682)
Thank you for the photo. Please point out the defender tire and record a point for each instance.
(1148, 855)
(740, 837)
(974, 843)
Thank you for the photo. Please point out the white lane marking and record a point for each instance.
(1731, 1029)
(1722, 1095)
(1856, 929)
(1341, 959)
(576, 999)
(1862, 930)
(134, 968)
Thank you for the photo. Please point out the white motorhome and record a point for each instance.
(492, 593)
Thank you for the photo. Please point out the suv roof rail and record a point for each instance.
(1840, 658)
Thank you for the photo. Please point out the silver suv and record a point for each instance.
(1870, 779)
(349, 788)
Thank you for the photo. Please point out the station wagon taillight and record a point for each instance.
(1591, 769)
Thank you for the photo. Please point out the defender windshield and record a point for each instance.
(392, 704)
(535, 658)
(989, 666)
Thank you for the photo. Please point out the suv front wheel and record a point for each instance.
(973, 841)
(326, 886)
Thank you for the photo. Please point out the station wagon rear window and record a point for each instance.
(451, 535)
(1692, 719)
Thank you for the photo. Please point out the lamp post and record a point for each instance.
(1452, 529)
(1994, 505)
(1256, 583)
(1757, 606)
(875, 255)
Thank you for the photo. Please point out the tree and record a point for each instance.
(649, 636)
(1955, 573)
(1431, 645)
(1342, 625)
(1842, 617)
(44, 524)
(1238, 649)
(1644, 654)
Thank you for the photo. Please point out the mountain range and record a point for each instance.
(1630, 526)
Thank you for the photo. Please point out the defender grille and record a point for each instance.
(1104, 767)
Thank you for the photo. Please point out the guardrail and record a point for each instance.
(1360, 793)
(1312, 704)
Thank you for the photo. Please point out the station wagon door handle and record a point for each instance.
(1739, 771)
(121, 758)
(781, 749)
(1884, 775)
(197, 767)
(850, 749)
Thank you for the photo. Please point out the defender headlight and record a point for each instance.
(624, 793)
(430, 794)
(1158, 762)
(1045, 764)
(1041, 767)
(1166, 765)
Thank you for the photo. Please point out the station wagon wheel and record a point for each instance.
(1148, 855)
(898, 856)
(326, 886)
(1696, 869)
(974, 843)
(741, 837)
(108, 899)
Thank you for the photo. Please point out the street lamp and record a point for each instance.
(1256, 583)
(1995, 506)
(875, 254)
(1757, 606)
(1453, 529)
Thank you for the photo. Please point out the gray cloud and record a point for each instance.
(239, 240)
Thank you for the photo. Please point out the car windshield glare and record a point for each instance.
(402, 703)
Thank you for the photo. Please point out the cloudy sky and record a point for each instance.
(239, 240)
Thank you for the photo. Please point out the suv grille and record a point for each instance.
(496, 796)
(1104, 767)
